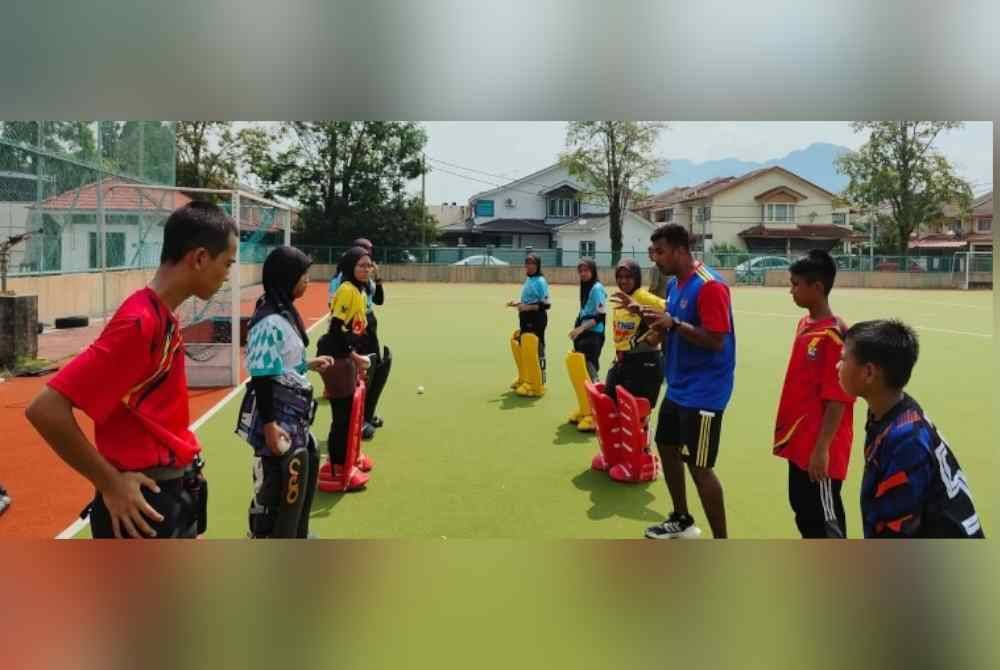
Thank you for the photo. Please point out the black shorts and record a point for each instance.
(695, 432)
(179, 506)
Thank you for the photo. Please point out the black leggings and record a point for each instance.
(336, 443)
(590, 344)
(640, 373)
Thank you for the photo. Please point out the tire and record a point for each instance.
(72, 322)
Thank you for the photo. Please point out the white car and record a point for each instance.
(481, 260)
(756, 267)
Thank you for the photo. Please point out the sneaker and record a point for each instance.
(4, 500)
(367, 431)
(677, 526)
(377, 421)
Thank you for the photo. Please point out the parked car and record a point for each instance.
(481, 260)
(754, 269)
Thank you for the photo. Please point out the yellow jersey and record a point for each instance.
(349, 306)
(626, 325)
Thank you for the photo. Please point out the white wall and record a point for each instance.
(635, 240)
(76, 245)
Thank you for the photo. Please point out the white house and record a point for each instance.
(134, 218)
(591, 236)
(524, 213)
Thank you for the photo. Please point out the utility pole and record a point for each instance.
(423, 201)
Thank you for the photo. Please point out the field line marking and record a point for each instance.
(71, 530)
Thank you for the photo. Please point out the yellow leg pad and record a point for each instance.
(531, 369)
(576, 365)
(515, 349)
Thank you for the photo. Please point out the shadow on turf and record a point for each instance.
(612, 499)
(568, 434)
(511, 400)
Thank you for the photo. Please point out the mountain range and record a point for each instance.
(816, 162)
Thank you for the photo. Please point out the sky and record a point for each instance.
(472, 156)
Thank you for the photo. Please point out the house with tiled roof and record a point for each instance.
(134, 218)
(767, 210)
(526, 212)
(955, 231)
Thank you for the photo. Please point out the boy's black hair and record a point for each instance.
(197, 224)
(672, 234)
(887, 343)
(817, 266)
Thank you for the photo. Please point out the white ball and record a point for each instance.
(420, 390)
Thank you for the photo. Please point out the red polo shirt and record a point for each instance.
(131, 381)
(811, 382)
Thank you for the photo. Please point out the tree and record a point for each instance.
(209, 153)
(616, 160)
(899, 177)
(349, 176)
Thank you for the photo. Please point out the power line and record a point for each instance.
(589, 202)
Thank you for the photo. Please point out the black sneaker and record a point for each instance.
(367, 431)
(677, 526)
(377, 421)
(4, 500)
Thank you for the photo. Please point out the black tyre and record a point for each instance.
(72, 322)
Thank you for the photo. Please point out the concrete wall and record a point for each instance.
(80, 293)
(885, 280)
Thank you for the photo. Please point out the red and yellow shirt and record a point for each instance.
(810, 382)
(131, 381)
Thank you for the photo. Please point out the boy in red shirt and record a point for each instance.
(815, 425)
(131, 381)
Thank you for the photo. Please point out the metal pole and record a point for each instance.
(423, 201)
(235, 287)
(101, 243)
(871, 246)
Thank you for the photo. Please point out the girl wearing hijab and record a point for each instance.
(528, 343)
(378, 373)
(344, 341)
(278, 408)
(637, 364)
(588, 340)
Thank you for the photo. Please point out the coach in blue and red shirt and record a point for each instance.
(131, 381)
(699, 362)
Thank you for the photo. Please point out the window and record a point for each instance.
(839, 219)
(588, 248)
(484, 208)
(779, 213)
(664, 215)
(702, 214)
(564, 207)
(984, 225)
(114, 250)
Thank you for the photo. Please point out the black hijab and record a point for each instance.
(633, 269)
(347, 264)
(586, 286)
(538, 264)
(283, 268)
